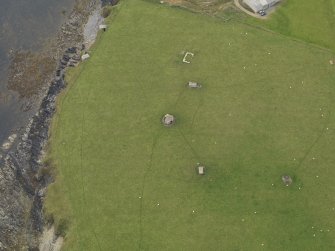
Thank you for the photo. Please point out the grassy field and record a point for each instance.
(312, 21)
(125, 182)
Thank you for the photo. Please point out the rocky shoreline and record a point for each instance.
(22, 179)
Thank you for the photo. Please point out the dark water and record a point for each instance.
(24, 25)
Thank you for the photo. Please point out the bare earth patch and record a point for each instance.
(49, 241)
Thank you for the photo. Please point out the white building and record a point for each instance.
(257, 5)
(102, 27)
(85, 56)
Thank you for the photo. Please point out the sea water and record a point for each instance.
(25, 25)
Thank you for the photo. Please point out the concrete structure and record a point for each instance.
(103, 27)
(85, 56)
(201, 170)
(287, 180)
(168, 120)
(257, 5)
(193, 85)
(185, 57)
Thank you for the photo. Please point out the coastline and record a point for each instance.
(26, 29)
(22, 179)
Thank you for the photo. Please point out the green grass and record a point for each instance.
(310, 20)
(247, 126)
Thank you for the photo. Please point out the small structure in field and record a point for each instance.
(287, 180)
(168, 120)
(185, 57)
(102, 27)
(85, 56)
(201, 170)
(331, 61)
(193, 85)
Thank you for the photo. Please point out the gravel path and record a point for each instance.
(92, 27)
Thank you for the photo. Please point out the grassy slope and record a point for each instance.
(312, 21)
(247, 126)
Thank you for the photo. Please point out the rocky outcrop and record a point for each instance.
(21, 184)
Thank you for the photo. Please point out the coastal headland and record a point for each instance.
(185, 130)
(187, 125)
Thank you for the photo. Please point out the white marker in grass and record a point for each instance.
(186, 54)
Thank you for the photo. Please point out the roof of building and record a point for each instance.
(257, 5)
